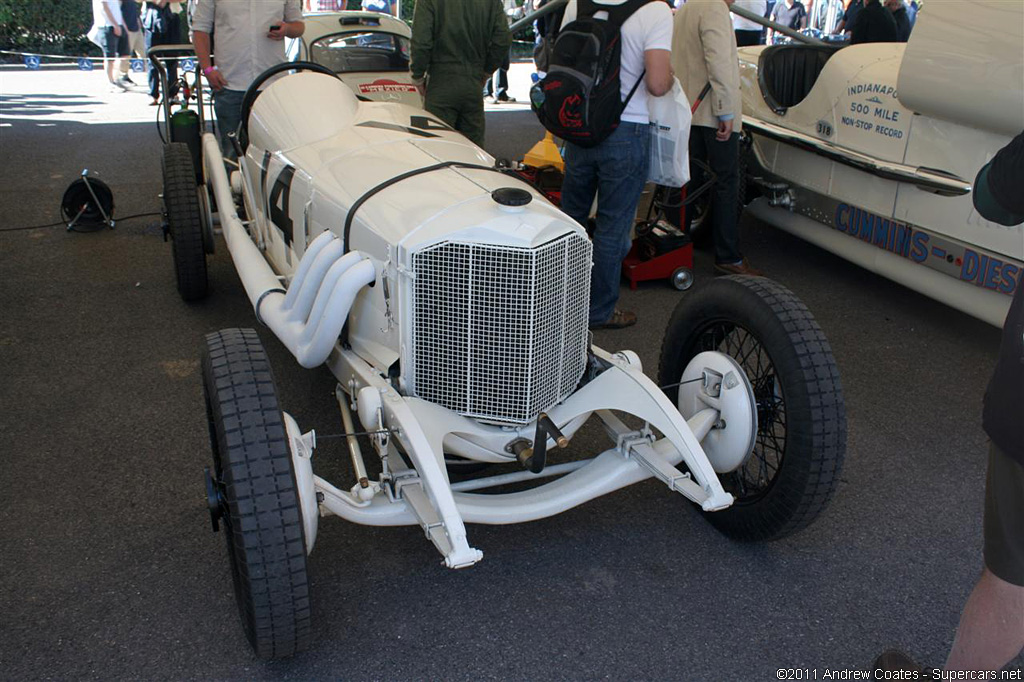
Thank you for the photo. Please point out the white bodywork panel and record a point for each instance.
(968, 80)
(966, 67)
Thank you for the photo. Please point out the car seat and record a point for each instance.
(786, 73)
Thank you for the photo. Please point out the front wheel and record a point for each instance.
(254, 492)
(800, 442)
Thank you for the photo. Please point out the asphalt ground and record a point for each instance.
(108, 568)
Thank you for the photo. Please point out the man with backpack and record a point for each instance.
(625, 47)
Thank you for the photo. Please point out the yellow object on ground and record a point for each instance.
(545, 153)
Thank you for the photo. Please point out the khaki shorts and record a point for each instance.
(1004, 517)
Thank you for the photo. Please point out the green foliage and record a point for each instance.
(46, 26)
(408, 7)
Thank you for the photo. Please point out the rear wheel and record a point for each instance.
(792, 473)
(255, 494)
(185, 221)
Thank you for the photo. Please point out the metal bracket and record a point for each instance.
(305, 444)
(410, 489)
(646, 456)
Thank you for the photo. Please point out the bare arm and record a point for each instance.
(658, 78)
(293, 26)
(201, 41)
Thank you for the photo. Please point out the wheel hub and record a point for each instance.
(214, 500)
(715, 380)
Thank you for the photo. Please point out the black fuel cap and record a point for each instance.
(511, 196)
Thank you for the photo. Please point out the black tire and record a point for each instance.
(255, 479)
(185, 221)
(801, 439)
(700, 224)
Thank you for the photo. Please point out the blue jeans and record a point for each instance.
(616, 170)
(228, 106)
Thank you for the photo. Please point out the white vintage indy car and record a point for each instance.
(450, 300)
(870, 150)
(368, 50)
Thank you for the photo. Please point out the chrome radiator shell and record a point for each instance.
(500, 332)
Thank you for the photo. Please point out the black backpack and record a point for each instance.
(579, 99)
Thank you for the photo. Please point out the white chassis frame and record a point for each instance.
(423, 495)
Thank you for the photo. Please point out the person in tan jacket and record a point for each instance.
(704, 51)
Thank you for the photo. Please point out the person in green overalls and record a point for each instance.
(456, 46)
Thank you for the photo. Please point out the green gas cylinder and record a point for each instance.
(185, 128)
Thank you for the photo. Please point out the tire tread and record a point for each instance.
(271, 581)
(183, 215)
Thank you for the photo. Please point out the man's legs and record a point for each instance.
(618, 168)
(228, 106)
(153, 78)
(500, 79)
(471, 121)
(136, 45)
(154, 38)
(110, 43)
(123, 52)
(991, 631)
(580, 183)
(723, 158)
(455, 99)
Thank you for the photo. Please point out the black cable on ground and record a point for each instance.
(64, 224)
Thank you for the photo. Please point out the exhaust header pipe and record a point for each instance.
(307, 318)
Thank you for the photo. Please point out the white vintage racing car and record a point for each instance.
(870, 150)
(450, 301)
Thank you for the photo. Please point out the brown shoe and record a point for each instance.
(620, 319)
(742, 268)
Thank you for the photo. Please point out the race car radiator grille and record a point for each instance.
(500, 332)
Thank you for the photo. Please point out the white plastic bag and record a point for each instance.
(94, 36)
(670, 137)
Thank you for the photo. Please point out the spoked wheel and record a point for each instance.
(185, 221)
(254, 495)
(700, 224)
(791, 474)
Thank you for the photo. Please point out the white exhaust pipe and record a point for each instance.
(308, 318)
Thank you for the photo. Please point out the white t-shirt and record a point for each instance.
(100, 17)
(758, 7)
(648, 28)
